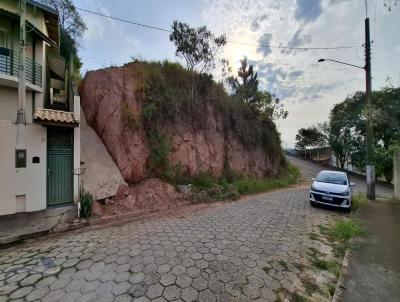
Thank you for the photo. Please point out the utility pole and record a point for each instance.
(21, 78)
(370, 134)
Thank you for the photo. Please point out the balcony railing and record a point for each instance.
(9, 63)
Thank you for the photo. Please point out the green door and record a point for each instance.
(59, 166)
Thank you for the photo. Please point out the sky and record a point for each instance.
(307, 89)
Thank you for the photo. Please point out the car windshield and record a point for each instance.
(332, 178)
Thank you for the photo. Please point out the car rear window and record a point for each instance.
(332, 178)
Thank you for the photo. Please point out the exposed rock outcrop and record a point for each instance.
(208, 148)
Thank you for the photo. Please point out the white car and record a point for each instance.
(332, 188)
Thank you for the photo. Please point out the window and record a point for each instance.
(20, 158)
(3, 38)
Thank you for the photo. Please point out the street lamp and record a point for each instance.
(369, 137)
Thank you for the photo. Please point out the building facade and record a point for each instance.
(41, 157)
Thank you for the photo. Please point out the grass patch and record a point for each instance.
(344, 230)
(230, 186)
(358, 200)
(296, 297)
(310, 285)
(323, 264)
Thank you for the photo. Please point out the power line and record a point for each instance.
(124, 20)
(228, 41)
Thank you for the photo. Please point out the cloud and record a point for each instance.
(297, 40)
(265, 40)
(331, 2)
(255, 24)
(307, 10)
(295, 74)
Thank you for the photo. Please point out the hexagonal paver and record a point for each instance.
(154, 291)
(200, 283)
(172, 292)
(183, 281)
(207, 296)
(167, 279)
(189, 294)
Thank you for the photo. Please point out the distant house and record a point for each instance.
(38, 172)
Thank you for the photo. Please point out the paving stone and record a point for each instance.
(154, 291)
(172, 292)
(90, 286)
(136, 278)
(37, 294)
(21, 292)
(54, 296)
(189, 294)
(207, 296)
(200, 283)
(183, 281)
(32, 279)
(168, 279)
(138, 290)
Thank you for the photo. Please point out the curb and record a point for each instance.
(337, 296)
(9, 241)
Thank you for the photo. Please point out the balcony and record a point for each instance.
(9, 62)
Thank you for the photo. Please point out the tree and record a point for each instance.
(197, 46)
(347, 125)
(72, 28)
(347, 129)
(245, 88)
(310, 137)
(269, 106)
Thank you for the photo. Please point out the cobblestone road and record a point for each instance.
(253, 249)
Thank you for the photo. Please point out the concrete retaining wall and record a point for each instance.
(102, 177)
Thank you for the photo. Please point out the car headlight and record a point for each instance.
(345, 193)
(313, 188)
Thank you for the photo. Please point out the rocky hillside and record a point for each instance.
(155, 118)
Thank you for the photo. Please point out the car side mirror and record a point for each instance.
(352, 184)
(312, 178)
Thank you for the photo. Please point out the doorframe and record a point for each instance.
(47, 167)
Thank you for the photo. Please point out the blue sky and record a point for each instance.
(307, 88)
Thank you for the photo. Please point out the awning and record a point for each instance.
(56, 118)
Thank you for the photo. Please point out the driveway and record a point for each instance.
(254, 249)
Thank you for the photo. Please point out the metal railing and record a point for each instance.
(9, 62)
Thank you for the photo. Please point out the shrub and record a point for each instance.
(86, 203)
(160, 147)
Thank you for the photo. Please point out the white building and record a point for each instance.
(39, 172)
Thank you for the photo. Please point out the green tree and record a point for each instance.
(245, 85)
(347, 129)
(197, 46)
(72, 28)
(310, 137)
(245, 88)
(347, 124)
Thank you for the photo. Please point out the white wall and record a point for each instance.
(29, 181)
